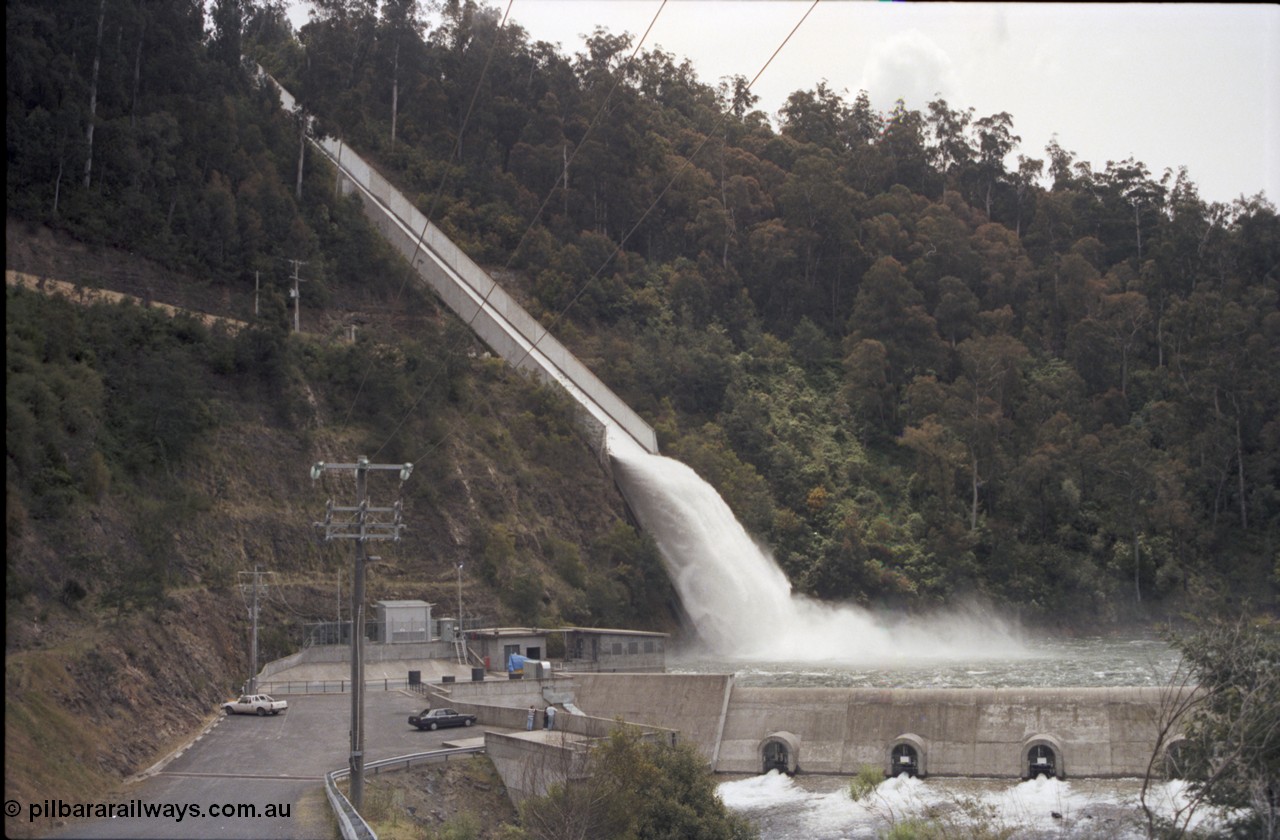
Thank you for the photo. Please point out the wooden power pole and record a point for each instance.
(362, 523)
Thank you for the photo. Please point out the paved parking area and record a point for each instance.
(275, 763)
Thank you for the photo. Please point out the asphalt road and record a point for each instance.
(274, 763)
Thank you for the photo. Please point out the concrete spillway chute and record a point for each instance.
(467, 289)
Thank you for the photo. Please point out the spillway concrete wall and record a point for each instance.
(1093, 732)
(1096, 732)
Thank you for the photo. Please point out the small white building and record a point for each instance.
(402, 621)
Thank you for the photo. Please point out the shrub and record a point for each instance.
(865, 783)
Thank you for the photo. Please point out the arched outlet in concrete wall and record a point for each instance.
(780, 751)
(1042, 755)
(908, 753)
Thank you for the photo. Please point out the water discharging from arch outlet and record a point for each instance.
(741, 603)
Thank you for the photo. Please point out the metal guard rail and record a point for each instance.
(350, 823)
(330, 686)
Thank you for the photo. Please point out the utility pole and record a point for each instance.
(462, 657)
(253, 639)
(296, 294)
(362, 523)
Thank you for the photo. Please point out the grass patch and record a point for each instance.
(49, 751)
(864, 784)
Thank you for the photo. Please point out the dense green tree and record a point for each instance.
(888, 309)
(995, 142)
(633, 788)
(903, 142)
(1218, 728)
(951, 150)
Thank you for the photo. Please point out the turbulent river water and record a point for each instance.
(810, 807)
(749, 622)
(1030, 660)
(820, 807)
(807, 807)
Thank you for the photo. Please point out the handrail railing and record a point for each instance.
(329, 686)
(350, 823)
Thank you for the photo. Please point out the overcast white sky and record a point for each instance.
(1169, 84)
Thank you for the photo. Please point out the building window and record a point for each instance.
(633, 647)
(617, 648)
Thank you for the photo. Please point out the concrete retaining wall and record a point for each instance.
(373, 652)
(500, 690)
(529, 766)
(696, 704)
(511, 711)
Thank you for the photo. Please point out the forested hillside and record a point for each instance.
(916, 357)
(152, 460)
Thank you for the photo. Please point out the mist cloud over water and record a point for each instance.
(741, 603)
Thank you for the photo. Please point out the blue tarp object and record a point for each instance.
(515, 663)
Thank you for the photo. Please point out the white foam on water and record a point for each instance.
(1084, 809)
(771, 789)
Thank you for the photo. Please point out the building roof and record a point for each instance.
(498, 632)
(401, 604)
(494, 632)
(605, 631)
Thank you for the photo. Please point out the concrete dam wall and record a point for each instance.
(1002, 733)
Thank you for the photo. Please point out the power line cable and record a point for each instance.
(688, 161)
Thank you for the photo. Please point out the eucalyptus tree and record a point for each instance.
(902, 143)
(890, 310)
(951, 152)
(818, 116)
(821, 210)
(402, 25)
(1218, 730)
(995, 141)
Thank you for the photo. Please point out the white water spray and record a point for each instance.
(741, 603)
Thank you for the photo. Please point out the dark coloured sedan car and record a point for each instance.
(440, 718)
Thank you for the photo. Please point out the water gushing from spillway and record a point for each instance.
(740, 602)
